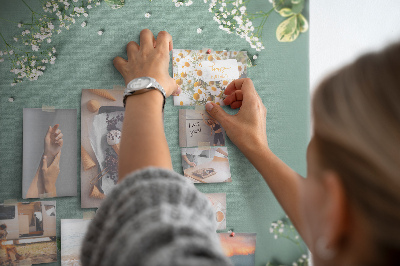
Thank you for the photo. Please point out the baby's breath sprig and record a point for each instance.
(26, 53)
(283, 228)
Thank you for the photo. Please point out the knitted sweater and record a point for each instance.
(153, 217)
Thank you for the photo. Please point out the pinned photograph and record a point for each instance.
(28, 233)
(218, 201)
(204, 75)
(102, 114)
(49, 153)
(206, 165)
(240, 248)
(197, 129)
(72, 234)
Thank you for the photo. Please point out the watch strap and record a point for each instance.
(154, 86)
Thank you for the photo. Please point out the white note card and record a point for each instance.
(219, 70)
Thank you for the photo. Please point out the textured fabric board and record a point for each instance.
(84, 60)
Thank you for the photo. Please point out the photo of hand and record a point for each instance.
(44, 182)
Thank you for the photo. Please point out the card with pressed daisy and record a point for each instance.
(204, 74)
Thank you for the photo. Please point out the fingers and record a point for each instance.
(177, 92)
(119, 63)
(132, 48)
(218, 113)
(146, 40)
(44, 163)
(60, 142)
(235, 99)
(59, 136)
(164, 41)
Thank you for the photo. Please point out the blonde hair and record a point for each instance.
(356, 114)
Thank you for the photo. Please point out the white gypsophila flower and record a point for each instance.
(19, 25)
(294, 264)
(58, 31)
(85, 15)
(48, 40)
(48, 4)
(199, 30)
(275, 236)
(97, 3)
(89, 6)
(11, 52)
(189, 3)
(100, 32)
(50, 54)
(13, 84)
(296, 237)
(271, 230)
(35, 47)
(53, 50)
(281, 230)
(11, 99)
(1, 59)
(255, 57)
(83, 24)
(304, 256)
(33, 63)
(147, 15)
(75, 1)
(15, 39)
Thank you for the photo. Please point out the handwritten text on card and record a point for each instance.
(219, 70)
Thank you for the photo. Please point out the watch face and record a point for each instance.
(140, 83)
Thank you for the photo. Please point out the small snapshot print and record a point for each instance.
(204, 75)
(72, 234)
(49, 153)
(206, 165)
(198, 128)
(240, 248)
(102, 114)
(218, 201)
(28, 233)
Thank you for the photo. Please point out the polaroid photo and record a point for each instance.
(102, 114)
(72, 234)
(49, 153)
(198, 129)
(218, 201)
(240, 249)
(206, 165)
(204, 76)
(28, 233)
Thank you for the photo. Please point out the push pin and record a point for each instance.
(232, 234)
(208, 51)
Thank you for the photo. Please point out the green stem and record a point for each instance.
(8, 20)
(4, 40)
(28, 7)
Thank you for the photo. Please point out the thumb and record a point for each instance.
(217, 113)
(44, 163)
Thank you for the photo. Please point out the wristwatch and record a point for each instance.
(142, 85)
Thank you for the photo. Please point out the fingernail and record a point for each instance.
(209, 106)
(44, 157)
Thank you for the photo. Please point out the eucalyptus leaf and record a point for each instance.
(115, 4)
(295, 5)
(285, 12)
(288, 30)
(302, 22)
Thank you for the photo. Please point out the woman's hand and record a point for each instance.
(150, 59)
(50, 174)
(53, 143)
(246, 129)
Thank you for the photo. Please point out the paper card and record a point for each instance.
(50, 134)
(198, 129)
(206, 165)
(29, 232)
(102, 114)
(203, 77)
(218, 201)
(240, 248)
(72, 234)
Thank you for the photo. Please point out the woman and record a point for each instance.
(12, 254)
(347, 209)
(217, 129)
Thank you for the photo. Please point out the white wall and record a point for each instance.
(341, 30)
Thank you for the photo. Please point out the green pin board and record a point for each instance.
(82, 58)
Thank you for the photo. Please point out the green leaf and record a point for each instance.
(302, 22)
(288, 30)
(115, 4)
(285, 12)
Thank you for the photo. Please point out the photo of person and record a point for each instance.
(208, 165)
(197, 128)
(216, 129)
(28, 233)
(49, 153)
